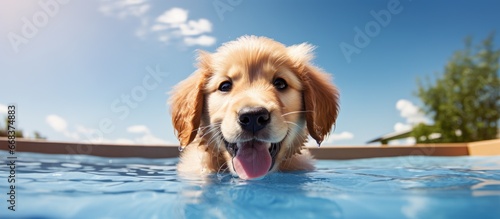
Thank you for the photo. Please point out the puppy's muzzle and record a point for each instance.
(253, 119)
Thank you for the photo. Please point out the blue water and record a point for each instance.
(64, 186)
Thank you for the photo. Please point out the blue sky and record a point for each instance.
(70, 66)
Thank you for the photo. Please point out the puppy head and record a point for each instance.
(254, 100)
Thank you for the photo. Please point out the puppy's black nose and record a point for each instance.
(253, 119)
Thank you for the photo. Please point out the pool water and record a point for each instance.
(80, 186)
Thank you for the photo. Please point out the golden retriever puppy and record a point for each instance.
(250, 107)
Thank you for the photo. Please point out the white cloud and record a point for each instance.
(142, 31)
(3, 109)
(140, 10)
(332, 138)
(133, 2)
(435, 136)
(124, 8)
(95, 136)
(164, 38)
(147, 137)
(57, 123)
(173, 17)
(413, 116)
(173, 25)
(72, 135)
(340, 136)
(401, 127)
(150, 139)
(83, 130)
(108, 141)
(202, 40)
(410, 112)
(192, 28)
(123, 141)
(138, 129)
(60, 125)
(159, 27)
(403, 141)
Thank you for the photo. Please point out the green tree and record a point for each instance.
(464, 101)
(3, 132)
(37, 135)
(19, 133)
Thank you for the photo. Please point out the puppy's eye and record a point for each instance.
(225, 86)
(280, 84)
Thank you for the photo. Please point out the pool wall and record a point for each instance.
(481, 148)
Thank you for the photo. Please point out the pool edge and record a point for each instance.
(480, 148)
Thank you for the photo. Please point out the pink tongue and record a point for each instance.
(252, 160)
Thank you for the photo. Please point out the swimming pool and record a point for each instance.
(80, 186)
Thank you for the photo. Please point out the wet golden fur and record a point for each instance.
(202, 115)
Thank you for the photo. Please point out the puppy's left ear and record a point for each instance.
(320, 96)
(186, 102)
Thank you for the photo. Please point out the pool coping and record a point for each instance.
(480, 148)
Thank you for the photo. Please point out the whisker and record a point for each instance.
(213, 127)
(222, 170)
(219, 141)
(297, 139)
(216, 136)
(292, 123)
(208, 132)
(213, 138)
(302, 111)
(289, 152)
(202, 128)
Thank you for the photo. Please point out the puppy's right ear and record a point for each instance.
(186, 101)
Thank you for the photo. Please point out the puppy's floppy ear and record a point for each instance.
(186, 101)
(320, 96)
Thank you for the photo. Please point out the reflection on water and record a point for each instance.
(215, 196)
(91, 187)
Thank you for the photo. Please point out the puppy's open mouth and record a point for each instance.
(253, 159)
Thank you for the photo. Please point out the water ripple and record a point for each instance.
(90, 187)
